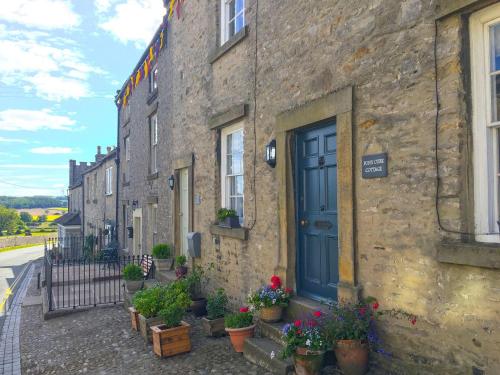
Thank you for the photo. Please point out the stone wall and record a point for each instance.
(24, 240)
(75, 198)
(99, 208)
(306, 50)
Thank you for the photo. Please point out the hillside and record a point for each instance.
(33, 202)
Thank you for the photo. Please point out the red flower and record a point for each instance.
(275, 280)
(413, 320)
(274, 286)
(243, 309)
(362, 311)
(312, 323)
(299, 332)
(317, 314)
(297, 323)
(375, 305)
(288, 290)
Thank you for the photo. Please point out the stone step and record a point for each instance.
(271, 331)
(301, 308)
(165, 276)
(258, 350)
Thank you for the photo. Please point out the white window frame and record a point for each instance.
(225, 197)
(153, 143)
(485, 133)
(127, 148)
(224, 20)
(153, 79)
(109, 181)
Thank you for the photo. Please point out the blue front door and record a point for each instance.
(317, 224)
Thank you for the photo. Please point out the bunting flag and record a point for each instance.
(144, 69)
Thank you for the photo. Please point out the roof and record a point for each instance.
(70, 218)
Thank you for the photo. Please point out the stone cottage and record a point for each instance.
(382, 117)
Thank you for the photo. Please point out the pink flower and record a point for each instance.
(243, 309)
(362, 311)
(297, 323)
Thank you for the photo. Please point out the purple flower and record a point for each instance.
(286, 328)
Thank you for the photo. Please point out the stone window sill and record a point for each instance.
(153, 176)
(152, 97)
(238, 233)
(234, 40)
(475, 254)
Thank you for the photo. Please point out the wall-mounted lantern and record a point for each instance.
(135, 204)
(271, 153)
(171, 182)
(130, 231)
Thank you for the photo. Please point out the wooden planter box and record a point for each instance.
(134, 318)
(145, 327)
(213, 328)
(171, 341)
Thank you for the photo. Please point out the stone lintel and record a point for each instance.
(152, 199)
(227, 117)
(473, 254)
(448, 7)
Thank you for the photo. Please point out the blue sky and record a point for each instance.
(61, 62)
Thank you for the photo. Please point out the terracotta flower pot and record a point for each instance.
(171, 341)
(271, 314)
(352, 356)
(213, 327)
(238, 336)
(308, 362)
(134, 318)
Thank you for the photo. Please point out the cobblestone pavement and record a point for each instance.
(9, 340)
(100, 341)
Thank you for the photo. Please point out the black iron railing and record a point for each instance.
(88, 281)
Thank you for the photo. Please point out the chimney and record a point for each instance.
(72, 167)
(98, 156)
(98, 150)
(108, 149)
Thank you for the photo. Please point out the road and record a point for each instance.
(11, 265)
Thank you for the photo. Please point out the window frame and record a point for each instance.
(224, 20)
(485, 133)
(153, 143)
(109, 181)
(225, 196)
(153, 79)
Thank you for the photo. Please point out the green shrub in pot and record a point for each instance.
(132, 274)
(162, 254)
(213, 323)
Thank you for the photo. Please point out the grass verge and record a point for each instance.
(3, 249)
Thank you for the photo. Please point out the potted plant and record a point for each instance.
(148, 303)
(213, 323)
(180, 266)
(351, 332)
(162, 255)
(172, 337)
(306, 343)
(194, 280)
(228, 218)
(239, 326)
(133, 276)
(270, 300)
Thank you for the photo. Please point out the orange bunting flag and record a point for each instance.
(151, 54)
(146, 68)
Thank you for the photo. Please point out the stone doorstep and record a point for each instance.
(165, 276)
(258, 350)
(301, 307)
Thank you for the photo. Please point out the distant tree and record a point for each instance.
(9, 220)
(42, 218)
(26, 217)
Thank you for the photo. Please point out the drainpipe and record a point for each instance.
(117, 162)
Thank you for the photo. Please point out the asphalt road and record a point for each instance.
(11, 265)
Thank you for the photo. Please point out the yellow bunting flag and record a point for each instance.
(171, 9)
(146, 68)
(151, 54)
(137, 78)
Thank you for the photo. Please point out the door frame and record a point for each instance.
(137, 214)
(186, 162)
(338, 105)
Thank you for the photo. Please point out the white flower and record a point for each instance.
(274, 301)
(272, 354)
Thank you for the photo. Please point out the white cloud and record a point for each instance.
(51, 67)
(33, 120)
(43, 14)
(49, 150)
(132, 21)
(12, 140)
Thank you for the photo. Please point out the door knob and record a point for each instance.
(303, 222)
